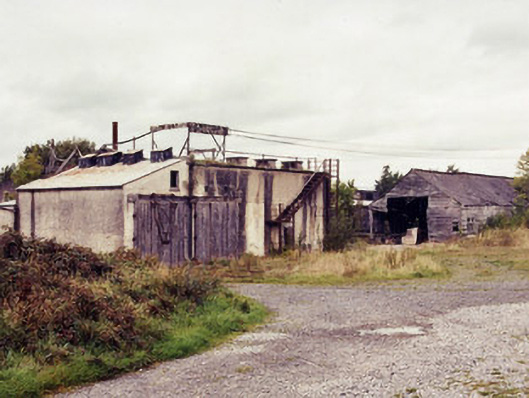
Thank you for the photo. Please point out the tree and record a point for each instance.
(28, 169)
(344, 224)
(521, 183)
(387, 181)
(452, 169)
(53, 154)
(5, 174)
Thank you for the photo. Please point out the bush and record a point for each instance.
(55, 298)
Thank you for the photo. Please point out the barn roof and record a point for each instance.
(468, 189)
(114, 176)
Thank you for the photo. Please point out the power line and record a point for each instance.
(392, 147)
(392, 152)
(267, 155)
(345, 150)
(283, 136)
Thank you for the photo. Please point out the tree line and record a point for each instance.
(42, 160)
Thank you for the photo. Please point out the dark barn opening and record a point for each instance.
(408, 212)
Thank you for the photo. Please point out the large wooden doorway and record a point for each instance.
(178, 229)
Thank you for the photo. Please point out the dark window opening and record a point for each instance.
(174, 179)
(455, 226)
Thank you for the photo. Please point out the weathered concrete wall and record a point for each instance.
(90, 217)
(473, 218)
(160, 182)
(265, 193)
(7, 219)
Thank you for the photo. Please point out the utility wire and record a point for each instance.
(353, 143)
(345, 150)
(268, 155)
(256, 136)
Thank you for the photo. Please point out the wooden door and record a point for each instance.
(161, 228)
(216, 229)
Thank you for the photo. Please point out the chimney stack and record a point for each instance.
(265, 163)
(115, 136)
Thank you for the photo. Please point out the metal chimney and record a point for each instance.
(115, 136)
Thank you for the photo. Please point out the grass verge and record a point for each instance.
(185, 332)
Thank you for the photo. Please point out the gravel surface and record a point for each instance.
(459, 340)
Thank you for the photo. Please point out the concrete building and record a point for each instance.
(440, 205)
(177, 208)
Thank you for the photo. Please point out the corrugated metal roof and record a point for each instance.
(99, 177)
(466, 188)
(473, 189)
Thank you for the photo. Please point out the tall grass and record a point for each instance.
(504, 237)
(361, 263)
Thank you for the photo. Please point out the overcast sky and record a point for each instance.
(407, 83)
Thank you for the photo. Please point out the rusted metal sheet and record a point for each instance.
(207, 129)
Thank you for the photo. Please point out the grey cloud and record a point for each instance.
(502, 39)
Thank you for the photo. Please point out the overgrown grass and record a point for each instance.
(68, 316)
(493, 253)
(361, 263)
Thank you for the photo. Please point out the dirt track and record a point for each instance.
(465, 338)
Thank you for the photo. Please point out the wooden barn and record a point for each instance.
(439, 205)
(179, 208)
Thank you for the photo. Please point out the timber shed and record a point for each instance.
(440, 205)
(178, 208)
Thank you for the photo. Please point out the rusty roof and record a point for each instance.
(467, 189)
(99, 176)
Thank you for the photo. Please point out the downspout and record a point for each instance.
(371, 234)
(33, 214)
(191, 214)
(17, 215)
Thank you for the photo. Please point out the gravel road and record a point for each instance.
(391, 340)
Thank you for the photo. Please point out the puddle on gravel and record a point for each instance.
(410, 330)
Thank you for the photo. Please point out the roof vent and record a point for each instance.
(292, 165)
(238, 160)
(161, 155)
(133, 157)
(87, 161)
(266, 163)
(108, 159)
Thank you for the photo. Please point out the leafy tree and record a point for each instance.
(452, 169)
(521, 183)
(53, 154)
(5, 174)
(346, 221)
(28, 169)
(387, 181)
(39, 160)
